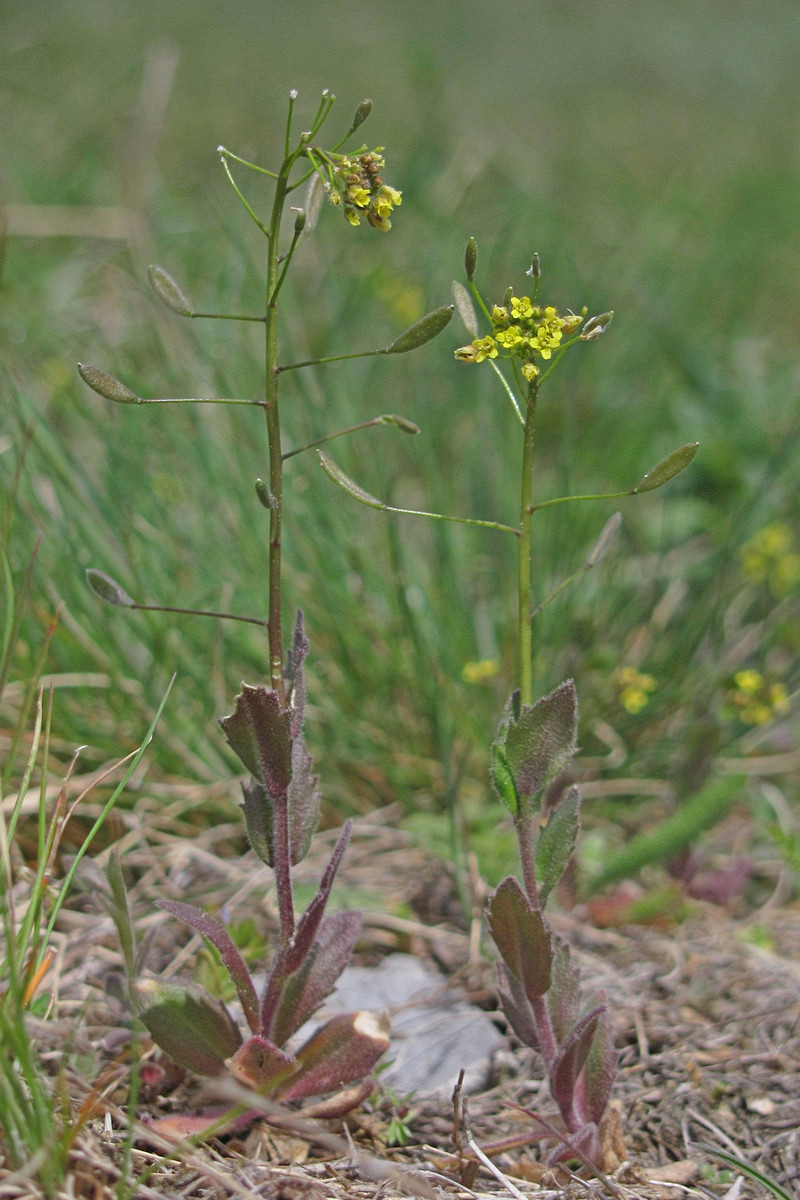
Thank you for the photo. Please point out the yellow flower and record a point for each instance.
(749, 681)
(633, 688)
(521, 307)
(358, 195)
(479, 672)
(486, 348)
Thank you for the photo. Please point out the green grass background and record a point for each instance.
(647, 151)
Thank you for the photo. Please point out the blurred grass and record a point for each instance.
(647, 152)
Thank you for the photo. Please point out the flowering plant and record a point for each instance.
(281, 799)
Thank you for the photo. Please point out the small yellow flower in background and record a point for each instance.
(749, 681)
(755, 702)
(634, 688)
(479, 672)
(771, 556)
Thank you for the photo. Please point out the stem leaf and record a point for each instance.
(556, 842)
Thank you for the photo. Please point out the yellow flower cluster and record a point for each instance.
(755, 701)
(633, 688)
(523, 330)
(479, 672)
(771, 557)
(358, 186)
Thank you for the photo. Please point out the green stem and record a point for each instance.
(281, 832)
(313, 362)
(524, 552)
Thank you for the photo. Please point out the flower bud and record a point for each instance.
(471, 258)
(534, 271)
(299, 221)
(362, 112)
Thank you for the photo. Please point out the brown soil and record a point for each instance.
(706, 1012)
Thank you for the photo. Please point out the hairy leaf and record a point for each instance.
(556, 842)
(258, 732)
(193, 1028)
(563, 999)
(306, 988)
(260, 1065)
(521, 936)
(516, 1006)
(600, 1069)
(205, 924)
(342, 1051)
(570, 1060)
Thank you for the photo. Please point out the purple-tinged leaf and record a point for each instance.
(582, 1143)
(292, 959)
(258, 812)
(304, 801)
(542, 741)
(315, 979)
(556, 842)
(260, 1065)
(258, 732)
(563, 999)
(521, 936)
(294, 674)
(206, 925)
(569, 1063)
(517, 1008)
(176, 1127)
(193, 1028)
(309, 923)
(600, 1069)
(344, 1050)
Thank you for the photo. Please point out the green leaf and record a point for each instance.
(556, 842)
(521, 936)
(422, 331)
(168, 291)
(106, 385)
(667, 469)
(533, 747)
(108, 589)
(190, 1025)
